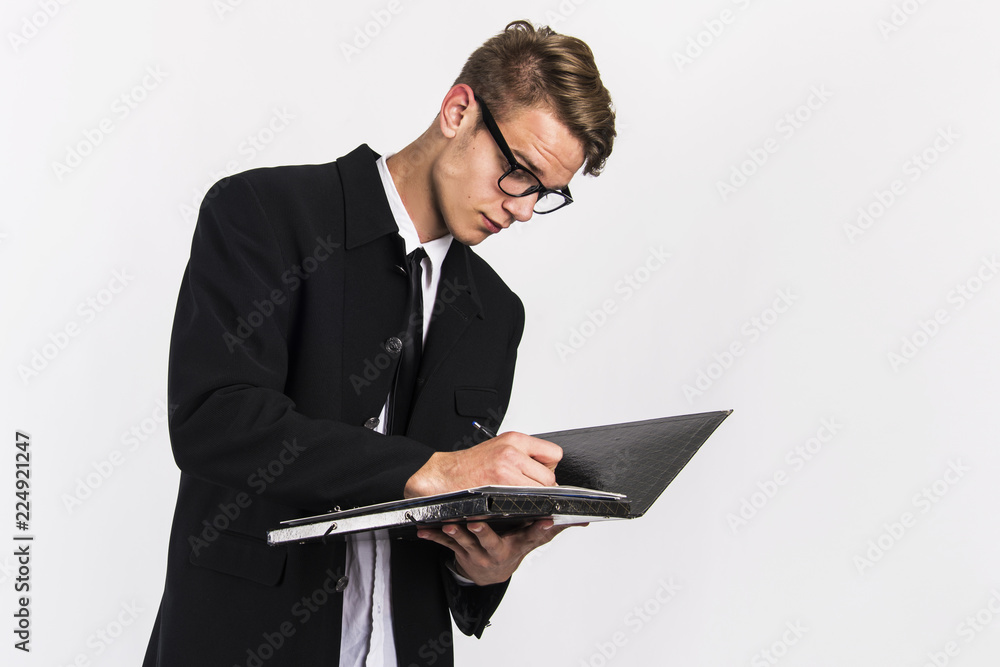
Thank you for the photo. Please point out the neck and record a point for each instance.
(410, 169)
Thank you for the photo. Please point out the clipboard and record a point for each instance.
(607, 473)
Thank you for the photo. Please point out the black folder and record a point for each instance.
(607, 472)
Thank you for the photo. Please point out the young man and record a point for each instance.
(332, 346)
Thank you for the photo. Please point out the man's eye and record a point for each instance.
(521, 178)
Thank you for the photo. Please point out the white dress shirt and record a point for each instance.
(366, 637)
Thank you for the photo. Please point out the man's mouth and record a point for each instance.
(493, 227)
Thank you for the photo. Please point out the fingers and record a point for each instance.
(542, 532)
(536, 474)
(512, 458)
(525, 539)
(474, 539)
(485, 557)
(486, 537)
(547, 453)
(463, 540)
(480, 536)
(524, 460)
(442, 538)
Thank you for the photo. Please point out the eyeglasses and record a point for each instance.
(518, 181)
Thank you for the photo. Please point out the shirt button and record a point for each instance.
(342, 583)
(371, 422)
(393, 345)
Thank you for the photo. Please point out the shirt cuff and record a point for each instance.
(463, 581)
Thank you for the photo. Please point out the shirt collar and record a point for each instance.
(436, 249)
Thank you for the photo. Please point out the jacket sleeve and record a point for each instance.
(472, 606)
(230, 421)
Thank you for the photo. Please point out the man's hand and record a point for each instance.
(488, 558)
(512, 458)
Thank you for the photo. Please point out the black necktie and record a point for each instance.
(409, 362)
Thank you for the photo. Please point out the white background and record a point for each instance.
(819, 554)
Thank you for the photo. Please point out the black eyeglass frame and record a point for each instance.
(513, 165)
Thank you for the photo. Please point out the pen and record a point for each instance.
(485, 430)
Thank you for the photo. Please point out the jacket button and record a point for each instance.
(393, 345)
(342, 584)
(371, 422)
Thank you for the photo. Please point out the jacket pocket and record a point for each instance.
(478, 402)
(244, 557)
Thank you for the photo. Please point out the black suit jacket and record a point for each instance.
(281, 353)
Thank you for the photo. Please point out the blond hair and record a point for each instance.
(525, 67)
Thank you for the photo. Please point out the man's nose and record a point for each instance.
(521, 207)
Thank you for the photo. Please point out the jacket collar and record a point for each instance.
(368, 216)
(368, 219)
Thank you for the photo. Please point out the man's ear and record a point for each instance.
(456, 108)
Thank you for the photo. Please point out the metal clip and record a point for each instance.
(333, 527)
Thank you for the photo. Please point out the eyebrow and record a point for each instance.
(523, 159)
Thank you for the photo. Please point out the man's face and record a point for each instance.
(470, 201)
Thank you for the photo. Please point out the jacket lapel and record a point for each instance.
(375, 292)
(456, 305)
(374, 287)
